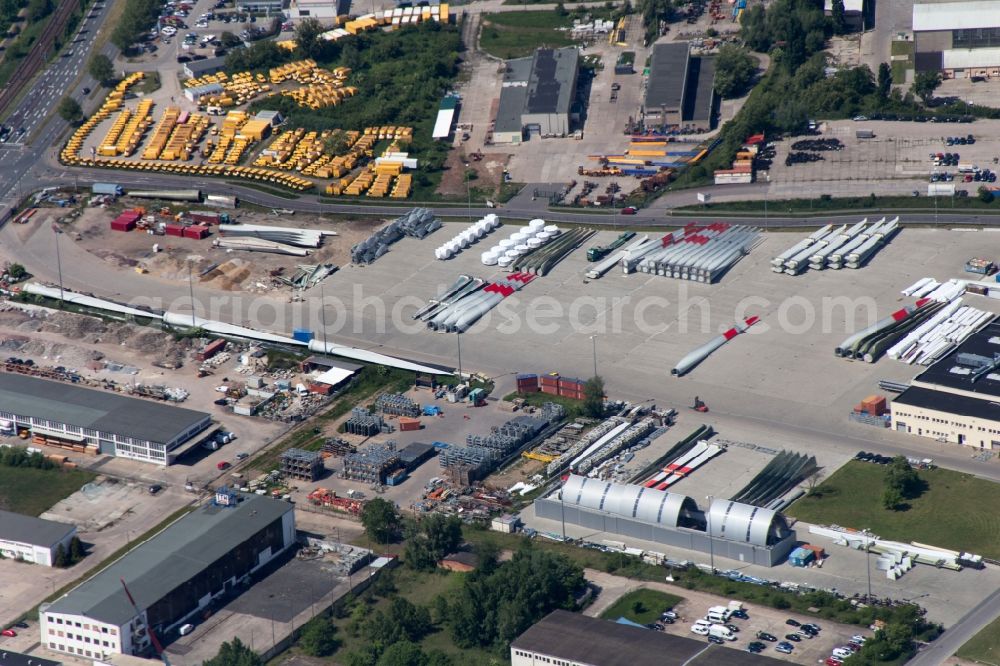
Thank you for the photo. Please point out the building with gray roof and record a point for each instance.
(537, 95)
(99, 421)
(680, 88)
(31, 539)
(730, 529)
(172, 578)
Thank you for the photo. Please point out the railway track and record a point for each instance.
(35, 60)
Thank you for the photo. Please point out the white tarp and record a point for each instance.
(333, 376)
(442, 126)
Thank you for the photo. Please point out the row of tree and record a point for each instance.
(15, 456)
(137, 19)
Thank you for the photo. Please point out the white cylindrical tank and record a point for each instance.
(507, 243)
(521, 248)
(552, 229)
(537, 223)
(504, 262)
(535, 243)
(544, 236)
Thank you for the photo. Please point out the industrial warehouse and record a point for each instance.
(956, 399)
(206, 556)
(538, 95)
(680, 88)
(730, 529)
(959, 39)
(91, 421)
(30, 539)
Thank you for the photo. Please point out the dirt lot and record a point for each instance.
(212, 267)
(696, 604)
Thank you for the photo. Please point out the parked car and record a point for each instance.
(242, 455)
(629, 210)
(784, 648)
(699, 629)
(716, 639)
(223, 465)
(756, 646)
(833, 661)
(8, 632)
(155, 488)
(733, 628)
(793, 623)
(859, 639)
(811, 628)
(740, 613)
(21, 625)
(764, 636)
(672, 615)
(795, 638)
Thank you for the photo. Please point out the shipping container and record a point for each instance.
(408, 424)
(195, 231)
(174, 230)
(321, 389)
(211, 349)
(107, 188)
(302, 335)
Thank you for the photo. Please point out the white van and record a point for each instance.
(718, 614)
(842, 653)
(185, 629)
(720, 631)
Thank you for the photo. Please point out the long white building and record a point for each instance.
(31, 539)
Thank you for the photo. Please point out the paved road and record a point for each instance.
(35, 127)
(956, 636)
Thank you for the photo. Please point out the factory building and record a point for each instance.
(31, 539)
(741, 532)
(91, 421)
(537, 96)
(680, 88)
(563, 638)
(958, 39)
(319, 9)
(173, 578)
(957, 399)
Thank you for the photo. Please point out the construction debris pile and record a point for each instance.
(465, 302)
(309, 275)
(469, 236)
(396, 404)
(481, 454)
(417, 223)
(698, 252)
(836, 248)
(372, 464)
(362, 422)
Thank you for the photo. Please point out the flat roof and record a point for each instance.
(966, 15)
(10, 658)
(552, 81)
(949, 402)
(517, 70)
(160, 565)
(35, 531)
(512, 99)
(949, 373)
(94, 409)
(574, 637)
(668, 70)
(700, 90)
(970, 58)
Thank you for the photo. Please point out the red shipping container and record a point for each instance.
(122, 225)
(322, 389)
(211, 349)
(195, 231)
(552, 390)
(174, 230)
(550, 380)
(407, 424)
(205, 218)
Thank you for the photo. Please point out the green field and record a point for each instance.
(642, 606)
(984, 647)
(33, 491)
(899, 67)
(574, 407)
(955, 511)
(518, 34)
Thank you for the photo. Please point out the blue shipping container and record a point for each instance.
(302, 334)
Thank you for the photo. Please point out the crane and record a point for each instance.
(152, 634)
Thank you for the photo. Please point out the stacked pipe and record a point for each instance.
(284, 235)
(836, 248)
(632, 434)
(470, 235)
(614, 259)
(701, 253)
(533, 236)
(886, 329)
(546, 253)
(940, 334)
(461, 313)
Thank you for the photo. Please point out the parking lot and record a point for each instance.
(769, 620)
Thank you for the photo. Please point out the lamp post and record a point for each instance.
(593, 339)
(708, 525)
(868, 563)
(458, 337)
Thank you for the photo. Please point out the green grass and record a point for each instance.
(900, 67)
(984, 647)
(642, 606)
(33, 491)
(574, 408)
(150, 83)
(852, 497)
(822, 206)
(518, 34)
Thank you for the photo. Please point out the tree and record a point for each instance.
(901, 476)
(235, 653)
(229, 40)
(38, 9)
(307, 38)
(561, 9)
(75, 550)
(892, 499)
(337, 143)
(593, 397)
(837, 17)
(884, 80)
(924, 85)
(318, 637)
(985, 195)
(70, 111)
(101, 69)
(735, 70)
(59, 559)
(403, 653)
(16, 272)
(381, 520)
